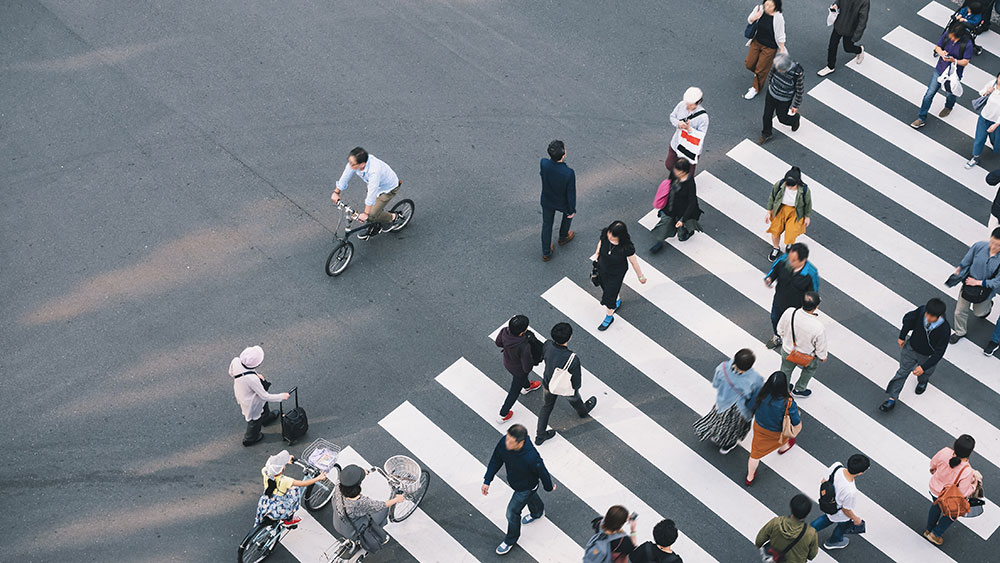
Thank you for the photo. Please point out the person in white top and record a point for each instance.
(690, 120)
(251, 393)
(846, 493)
(989, 120)
(809, 339)
(383, 185)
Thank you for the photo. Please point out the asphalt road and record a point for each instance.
(167, 170)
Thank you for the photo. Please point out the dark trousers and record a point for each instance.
(936, 523)
(908, 360)
(774, 107)
(672, 159)
(548, 217)
(550, 401)
(838, 531)
(776, 312)
(254, 426)
(518, 382)
(518, 501)
(831, 52)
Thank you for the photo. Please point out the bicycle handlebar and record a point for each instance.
(347, 210)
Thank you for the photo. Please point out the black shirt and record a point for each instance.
(649, 553)
(765, 31)
(613, 258)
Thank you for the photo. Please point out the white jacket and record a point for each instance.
(810, 336)
(779, 26)
(250, 393)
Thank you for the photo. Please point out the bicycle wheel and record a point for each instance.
(257, 545)
(405, 208)
(318, 494)
(339, 258)
(402, 511)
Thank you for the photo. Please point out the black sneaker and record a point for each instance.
(921, 387)
(803, 393)
(542, 437)
(774, 342)
(773, 255)
(798, 121)
(590, 404)
(990, 348)
(255, 440)
(887, 406)
(955, 337)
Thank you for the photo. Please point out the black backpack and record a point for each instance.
(294, 423)
(535, 346)
(828, 494)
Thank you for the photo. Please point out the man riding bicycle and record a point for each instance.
(383, 184)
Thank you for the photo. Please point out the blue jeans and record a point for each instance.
(937, 524)
(548, 217)
(838, 531)
(514, 508)
(932, 89)
(996, 334)
(981, 126)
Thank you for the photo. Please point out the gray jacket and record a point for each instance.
(852, 19)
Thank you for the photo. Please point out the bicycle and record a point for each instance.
(405, 477)
(318, 457)
(343, 249)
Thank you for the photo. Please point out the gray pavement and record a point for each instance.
(167, 169)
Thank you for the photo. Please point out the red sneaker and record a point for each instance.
(292, 522)
(502, 419)
(531, 387)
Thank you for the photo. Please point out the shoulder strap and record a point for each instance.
(695, 114)
(244, 373)
(959, 477)
(793, 326)
(725, 372)
(995, 271)
(834, 472)
(791, 545)
(569, 362)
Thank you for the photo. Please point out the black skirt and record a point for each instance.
(611, 284)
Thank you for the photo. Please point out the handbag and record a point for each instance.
(595, 275)
(979, 103)
(662, 193)
(831, 16)
(770, 555)
(562, 380)
(978, 293)
(950, 81)
(787, 429)
(751, 31)
(689, 144)
(796, 357)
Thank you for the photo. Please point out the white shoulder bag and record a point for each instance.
(949, 80)
(562, 382)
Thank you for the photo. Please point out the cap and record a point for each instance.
(352, 476)
(252, 357)
(276, 463)
(693, 95)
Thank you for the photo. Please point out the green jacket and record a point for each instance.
(803, 200)
(782, 530)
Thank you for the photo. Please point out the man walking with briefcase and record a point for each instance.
(560, 363)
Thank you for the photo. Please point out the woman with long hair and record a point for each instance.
(772, 404)
(615, 252)
(948, 466)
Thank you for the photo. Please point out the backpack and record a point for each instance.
(828, 494)
(535, 346)
(598, 548)
(951, 501)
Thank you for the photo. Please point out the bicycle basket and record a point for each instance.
(321, 454)
(406, 471)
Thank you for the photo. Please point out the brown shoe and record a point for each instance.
(945, 112)
(568, 238)
(933, 539)
(763, 139)
(546, 258)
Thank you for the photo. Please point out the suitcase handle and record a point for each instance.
(294, 390)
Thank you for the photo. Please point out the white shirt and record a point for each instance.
(789, 196)
(810, 337)
(991, 111)
(249, 391)
(846, 492)
(699, 124)
(377, 174)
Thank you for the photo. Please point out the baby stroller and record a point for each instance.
(985, 8)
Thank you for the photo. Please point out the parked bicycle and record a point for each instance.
(343, 249)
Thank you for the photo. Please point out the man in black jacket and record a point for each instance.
(525, 469)
(852, 18)
(920, 353)
(558, 194)
(556, 354)
(792, 275)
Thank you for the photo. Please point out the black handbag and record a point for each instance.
(751, 30)
(595, 275)
(978, 293)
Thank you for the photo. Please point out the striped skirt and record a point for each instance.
(723, 429)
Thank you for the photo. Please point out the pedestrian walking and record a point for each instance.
(680, 212)
(736, 386)
(691, 122)
(920, 352)
(766, 31)
(250, 388)
(525, 469)
(803, 342)
(790, 536)
(989, 120)
(609, 542)
(849, 26)
(660, 549)
(517, 358)
(615, 252)
(954, 47)
(792, 275)
(950, 469)
(838, 496)
(980, 270)
(771, 407)
(789, 210)
(993, 178)
(784, 96)
(559, 357)
(558, 194)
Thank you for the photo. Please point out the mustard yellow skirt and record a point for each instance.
(784, 222)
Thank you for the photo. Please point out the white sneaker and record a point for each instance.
(824, 71)
(860, 57)
(725, 451)
(972, 162)
(751, 94)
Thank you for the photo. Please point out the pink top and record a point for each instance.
(944, 474)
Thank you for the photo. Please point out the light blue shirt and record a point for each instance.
(377, 174)
(978, 264)
(734, 388)
(931, 326)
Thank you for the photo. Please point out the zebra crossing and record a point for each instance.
(893, 533)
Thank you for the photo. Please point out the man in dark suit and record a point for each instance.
(558, 194)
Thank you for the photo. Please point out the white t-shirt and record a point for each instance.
(789, 197)
(847, 492)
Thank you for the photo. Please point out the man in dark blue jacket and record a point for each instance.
(920, 353)
(525, 469)
(558, 194)
(792, 275)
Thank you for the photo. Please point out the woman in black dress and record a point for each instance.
(614, 253)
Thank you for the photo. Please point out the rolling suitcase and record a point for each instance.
(294, 423)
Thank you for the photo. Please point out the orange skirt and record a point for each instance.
(765, 441)
(785, 221)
